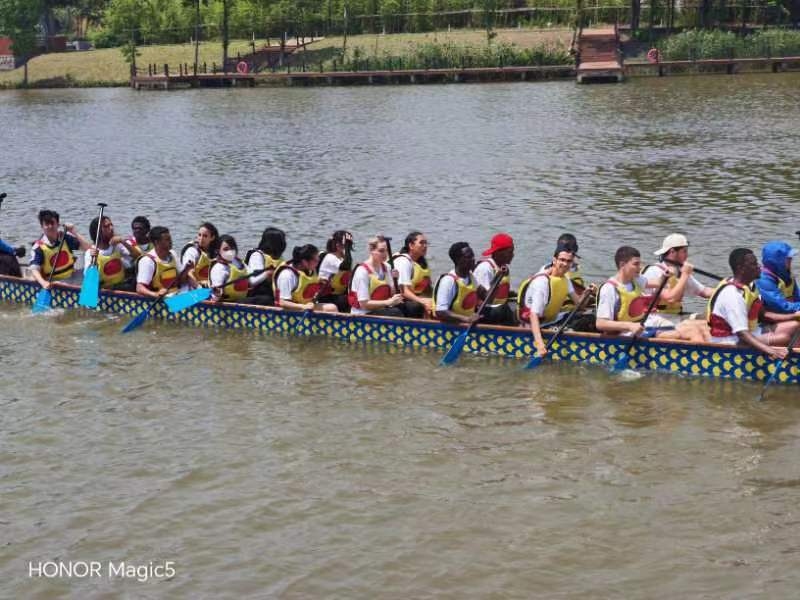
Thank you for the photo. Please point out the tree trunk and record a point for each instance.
(25, 74)
(636, 9)
(225, 36)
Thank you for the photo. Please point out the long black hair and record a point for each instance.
(301, 253)
(273, 242)
(337, 238)
(410, 238)
(213, 248)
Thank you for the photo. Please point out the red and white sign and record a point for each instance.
(6, 54)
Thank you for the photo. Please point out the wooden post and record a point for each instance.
(166, 70)
(205, 68)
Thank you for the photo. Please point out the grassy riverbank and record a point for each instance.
(107, 67)
(700, 45)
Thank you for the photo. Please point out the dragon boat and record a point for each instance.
(710, 360)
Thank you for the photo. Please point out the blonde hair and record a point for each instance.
(373, 242)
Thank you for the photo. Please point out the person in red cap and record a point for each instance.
(499, 256)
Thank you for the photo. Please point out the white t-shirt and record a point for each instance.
(655, 273)
(484, 274)
(607, 304)
(126, 256)
(256, 263)
(329, 266)
(146, 268)
(286, 283)
(360, 285)
(192, 255)
(447, 290)
(405, 270)
(730, 305)
(538, 294)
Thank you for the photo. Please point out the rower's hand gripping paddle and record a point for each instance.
(90, 288)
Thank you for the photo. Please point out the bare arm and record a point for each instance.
(752, 341)
(611, 326)
(452, 317)
(536, 332)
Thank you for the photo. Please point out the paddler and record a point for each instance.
(113, 256)
(335, 267)
(197, 255)
(9, 265)
(674, 251)
(139, 241)
(158, 269)
(455, 294)
(777, 285)
(622, 303)
(372, 287)
(268, 256)
(498, 258)
(228, 276)
(570, 242)
(414, 276)
(297, 282)
(43, 254)
(735, 310)
(542, 297)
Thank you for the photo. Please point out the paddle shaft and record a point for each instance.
(779, 364)
(492, 289)
(58, 254)
(649, 310)
(566, 322)
(102, 205)
(391, 263)
(696, 270)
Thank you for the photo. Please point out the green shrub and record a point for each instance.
(699, 44)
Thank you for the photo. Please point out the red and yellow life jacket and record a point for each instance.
(631, 305)
(166, 271)
(111, 269)
(752, 299)
(202, 267)
(672, 308)
(466, 299)
(305, 290)
(379, 289)
(64, 263)
(141, 248)
(340, 281)
(557, 295)
(503, 288)
(420, 278)
(238, 289)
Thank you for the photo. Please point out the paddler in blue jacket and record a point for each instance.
(778, 287)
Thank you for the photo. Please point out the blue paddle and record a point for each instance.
(779, 364)
(90, 288)
(458, 344)
(623, 362)
(180, 302)
(137, 321)
(536, 360)
(44, 297)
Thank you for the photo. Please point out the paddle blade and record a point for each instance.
(43, 299)
(534, 362)
(136, 322)
(90, 288)
(455, 350)
(186, 300)
(622, 363)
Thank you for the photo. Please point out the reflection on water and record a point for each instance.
(270, 466)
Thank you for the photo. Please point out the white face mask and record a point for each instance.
(228, 255)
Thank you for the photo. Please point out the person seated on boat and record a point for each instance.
(542, 297)
(43, 256)
(297, 282)
(778, 287)
(228, 275)
(139, 242)
(200, 253)
(113, 256)
(455, 295)
(570, 242)
(9, 265)
(372, 286)
(335, 267)
(499, 257)
(266, 257)
(157, 270)
(674, 252)
(736, 308)
(414, 276)
(621, 303)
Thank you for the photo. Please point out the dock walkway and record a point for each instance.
(599, 56)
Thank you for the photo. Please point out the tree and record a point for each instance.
(18, 20)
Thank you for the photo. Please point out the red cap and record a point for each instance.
(499, 242)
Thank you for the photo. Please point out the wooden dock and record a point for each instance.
(599, 56)
(185, 79)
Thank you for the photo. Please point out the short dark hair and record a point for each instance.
(563, 248)
(48, 215)
(568, 240)
(93, 227)
(456, 250)
(228, 239)
(142, 221)
(737, 257)
(157, 232)
(624, 254)
(301, 253)
(273, 242)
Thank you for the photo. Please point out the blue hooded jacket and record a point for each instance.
(773, 257)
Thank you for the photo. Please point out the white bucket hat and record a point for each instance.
(673, 240)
